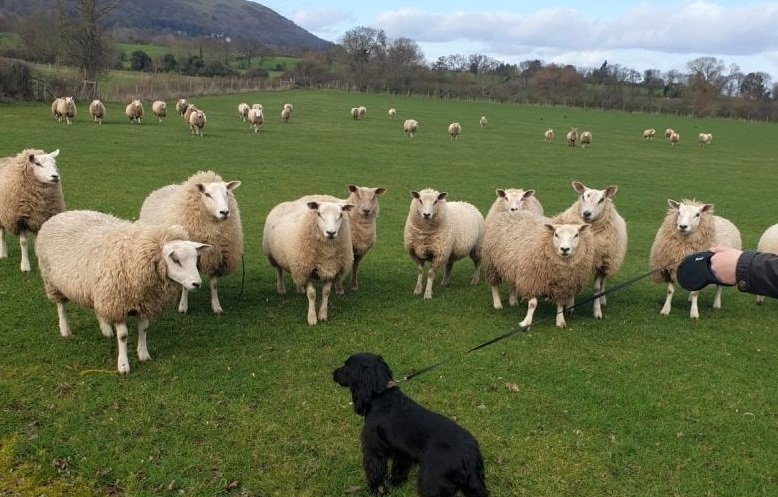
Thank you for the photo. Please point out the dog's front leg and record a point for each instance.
(401, 465)
(375, 466)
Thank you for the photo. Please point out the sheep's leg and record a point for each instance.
(694, 312)
(3, 245)
(569, 306)
(280, 287)
(64, 327)
(717, 299)
(123, 364)
(215, 304)
(597, 309)
(354, 267)
(447, 273)
(419, 278)
(476, 269)
(604, 298)
(105, 328)
(183, 304)
(430, 280)
(531, 306)
(496, 300)
(143, 352)
(560, 316)
(759, 299)
(25, 251)
(310, 292)
(513, 299)
(325, 300)
(668, 301)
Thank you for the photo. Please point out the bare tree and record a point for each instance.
(708, 70)
(365, 50)
(84, 39)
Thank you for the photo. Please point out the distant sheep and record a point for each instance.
(441, 232)
(30, 193)
(117, 268)
(572, 137)
(257, 106)
(586, 138)
(97, 111)
(243, 111)
(648, 134)
(483, 122)
(159, 108)
(668, 133)
(354, 113)
(410, 126)
(704, 139)
(286, 114)
(181, 106)
(256, 119)
(188, 112)
(65, 109)
(290, 107)
(134, 111)
(362, 111)
(197, 122)
(392, 114)
(454, 130)
(675, 138)
(54, 111)
(548, 135)
(768, 242)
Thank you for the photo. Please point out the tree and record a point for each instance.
(167, 63)
(84, 39)
(403, 58)
(364, 49)
(755, 86)
(140, 61)
(708, 71)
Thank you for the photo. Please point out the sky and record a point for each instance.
(639, 35)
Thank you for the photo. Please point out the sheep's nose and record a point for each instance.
(225, 214)
(196, 285)
(564, 250)
(331, 234)
(366, 211)
(514, 209)
(426, 215)
(55, 177)
(682, 227)
(587, 214)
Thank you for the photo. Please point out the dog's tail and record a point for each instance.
(475, 484)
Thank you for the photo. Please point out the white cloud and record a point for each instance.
(322, 20)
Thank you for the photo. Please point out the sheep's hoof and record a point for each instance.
(597, 315)
(428, 296)
(312, 319)
(145, 356)
(498, 307)
(417, 291)
(124, 367)
(182, 309)
(218, 310)
(25, 268)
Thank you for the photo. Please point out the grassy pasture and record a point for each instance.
(636, 404)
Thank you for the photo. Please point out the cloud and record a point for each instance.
(322, 20)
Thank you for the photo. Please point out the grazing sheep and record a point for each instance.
(362, 111)
(286, 114)
(674, 138)
(159, 108)
(256, 119)
(206, 207)
(54, 111)
(537, 259)
(483, 122)
(768, 242)
(572, 136)
(442, 232)
(355, 113)
(704, 139)
(392, 114)
(688, 227)
(669, 132)
(197, 122)
(30, 193)
(548, 136)
(117, 268)
(191, 108)
(181, 106)
(134, 111)
(66, 108)
(454, 130)
(97, 111)
(586, 138)
(648, 134)
(243, 111)
(311, 242)
(410, 126)
(609, 233)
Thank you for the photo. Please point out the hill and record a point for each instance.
(236, 19)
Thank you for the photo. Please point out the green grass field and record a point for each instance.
(633, 405)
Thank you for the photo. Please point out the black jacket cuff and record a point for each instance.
(743, 271)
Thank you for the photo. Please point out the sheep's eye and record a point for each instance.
(556, 235)
(697, 215)
(175, 260)
(576, 235)
(38, 164)
(207, 194)
(601, 201)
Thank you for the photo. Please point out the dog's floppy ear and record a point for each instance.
(371, 380)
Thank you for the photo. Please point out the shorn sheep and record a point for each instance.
(548, 135)
(159, 108)
(768, 242)
(181, 106)
(197, 122)
(310, 241)
(441, 232)
(206, 207)
(410, 126)
(65, 108)
(243, 111)
(392, 114)
(256, 119)
(572, 137)
(483, 122)
(117, 268)
(97, 111)
(688, 227)
(538, 259)
(134, 111)
(704, 139)
(454, 130)
(586, 138)
(609, 233)
(30, 193)
(649, 134)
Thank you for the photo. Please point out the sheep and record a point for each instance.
(243, 111)
(648, 134)
(362, 111)
(768, 242)
(454, 130)
(197, 122)
(286, 114)
(256, 119)
(483, 122)
(674, 138)
(704, 139)
(669, 132)
(116, 267)
(586, 138)
(206, 207)
(609, 232)
(181, 106)
(310, 241)
(548, 136)
(54, 111)
(30, 193)
(97, 111)
(188, 112)
(257, 106)
(688, 227)
(134, 111)
(572, 136)
(290, 107)
(410, 126)
(538, 259)
(159, 108)
(354, 113)
(441, 232)
(392, 114)
(65, 108)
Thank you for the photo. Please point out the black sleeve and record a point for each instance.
(757, 272)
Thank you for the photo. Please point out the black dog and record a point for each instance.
(399, 429)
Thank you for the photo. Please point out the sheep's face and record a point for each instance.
(566, 238)
(329, 217)
(593, 202)
(688, 215)
(44, 167)
(257, 106)
(365, 200)
(514, 199)
(427, 203)
(216, 198)
(181, 261)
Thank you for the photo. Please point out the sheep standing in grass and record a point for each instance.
(290, 107)
(354, 113)
(286, 114)
(768, 242)
(311, 242)
(30, 193)
(117, 268)
(572, 137)
(609, 233)
(243, 111)
(483, 122)
(538, 259)
(454, 130)
(442, 232)
(674, 138)
(410, 126)
(206, 207)
(256, 119)
(668, 133)
(392, 114)
(159, 108)
(134, 111)
(54, 111)
(197, 122)
(648, 134)
(66, 108)
(586, 138)
(181, 106)
(548, 136)
(704, 139)
(97, 111)
(362, 111)
(190, 109)
(688, 227)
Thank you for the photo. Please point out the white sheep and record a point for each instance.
(65, 108)
(117, 268)
(537, 259)
(54, 111)
(30, 193)
(688, 227)
(392, 114)
(483, 122)
(572, 137)
(586, 138)
(441, 232)
(362, 111)
(704, 139)
(181, 106)
(243, 111)
(768, 242)
(354, 113)
(290, 107)
(159, 108)
(97, 111)
(191, 108)
(410, 126)
(648, 134)
(548, 135)
(206, 207)
(256, 119)
(609, 233)
(311, 242)
(669, 132)
(454, 130)
(286, 114)
(197, 122)
(134, 111)
(257, 106)
(674, 138)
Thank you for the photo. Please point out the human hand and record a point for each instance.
(724, 263)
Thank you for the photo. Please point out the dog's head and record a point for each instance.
(366, 375)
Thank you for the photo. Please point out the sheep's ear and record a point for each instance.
(500, 192)
(442, 195)
(380, 191)
(233, 185)
(31, 158)
(201, 246)
(54, 154)
(347, 207)
(528, 194)
(200, 187)
(583, 227)
(673, 204)
(707, 208)
(551, 227)
(313, 205)
(352, 188)
(611, 191)
(579, 187)
(415, 194)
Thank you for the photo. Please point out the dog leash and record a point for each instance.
(522, 329)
